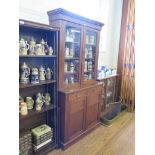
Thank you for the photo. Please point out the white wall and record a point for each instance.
(106, 11)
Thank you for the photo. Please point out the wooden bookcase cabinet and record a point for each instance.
(79, 92)
(48, 114)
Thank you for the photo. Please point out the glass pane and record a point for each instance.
(72, 55)
(90, 55)
(110, 83)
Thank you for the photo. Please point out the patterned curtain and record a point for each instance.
(128, 68)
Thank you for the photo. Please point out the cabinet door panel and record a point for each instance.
(92, 109)
(76, 117)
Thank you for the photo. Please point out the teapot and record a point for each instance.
(49, 73)
(42, 73)
(47, 99)
(24, 73)
(34, 75)
(23, 47)
(30, 103)
(39, 101)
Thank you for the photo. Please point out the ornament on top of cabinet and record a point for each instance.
(34, 75)
(42, 73)
(72, 67)
(23, 47)
(47, 99)
(49, 73)
(50, 50)
(39, 101)
(30, 103)
(24, 73)
(32, 47)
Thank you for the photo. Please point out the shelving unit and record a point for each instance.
(48, 114)
(79, 92)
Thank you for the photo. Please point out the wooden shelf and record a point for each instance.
(89, 72)
(37, 56)
(89, 44)
(33, 112)
(72, 42)
(70, 73)
(37, 84)
(90, 59)
(72, 58)
(48, 147)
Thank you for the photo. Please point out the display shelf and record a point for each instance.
(89, 44)
(37, 84)
(70, 73)
(72, 42)
(37, 56)
(31, 37)
(34, 112)
(48, 147)
(92, 59)
(88, 71)
(71, 58)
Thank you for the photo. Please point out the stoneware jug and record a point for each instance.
(42, 73)
(24, 73)
(23, 47)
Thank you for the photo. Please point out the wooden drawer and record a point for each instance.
(76, 96)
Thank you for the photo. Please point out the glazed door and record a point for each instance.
(90, 56)
(72, 55)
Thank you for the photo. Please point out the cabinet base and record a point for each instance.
(64, 146)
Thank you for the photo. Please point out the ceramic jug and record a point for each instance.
(24, 73)
(39, 101)
(49, 74)
(34, 75)
(32, 47)
(42, 73)
(23, 47)
(30, 103)
(47, 99)
(50, 50)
